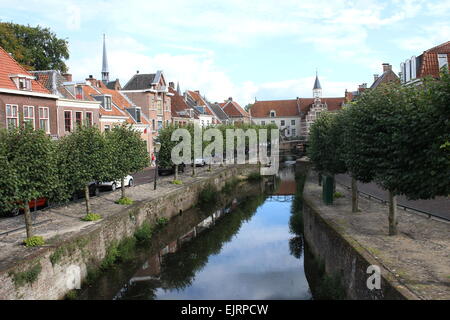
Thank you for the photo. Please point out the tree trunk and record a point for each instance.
(176, 172)
(193, 169)
(86, 194)
(393, 218)
(28, 221)
(209, 166)
(122, 181)
(320, 179)
(334, 184)
(354, 195)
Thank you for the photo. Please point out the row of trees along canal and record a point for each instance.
(397, 136)
(33, 166)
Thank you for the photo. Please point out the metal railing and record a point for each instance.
(405, 208)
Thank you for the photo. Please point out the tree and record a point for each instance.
(84, 157)
(127, 153)
(30, 171)
(36, 48)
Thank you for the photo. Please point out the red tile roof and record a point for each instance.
(233, 109)
(90, 91)
(177, 104)
(9, 66)
(291, 108)
(282, 108)
(429, 65)
(200, 101)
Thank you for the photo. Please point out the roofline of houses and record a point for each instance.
(29, 93)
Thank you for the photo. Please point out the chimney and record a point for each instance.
(197, 91)
(386, 67)
(172, 85)
(363, 86)
(67, 76)
(230, 99)
(375, 77)
(137, 71)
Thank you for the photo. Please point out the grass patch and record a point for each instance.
(208, 195)
(338, 195)
(71, 295)
(35, 241)
(112, 253)
(177, 182)
(56, 256)
(160, 223)
(125, 201)
(254, 176)
(91, 217)
(144, 233)
(29, 276)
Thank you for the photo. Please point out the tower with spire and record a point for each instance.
(105, 69)
(317, 90)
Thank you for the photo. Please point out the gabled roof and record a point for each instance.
(282, 108)
(90, 92)
(9, 66)
(217, 109)
(200, 102)
(233, 109)
(178, 105)
(333, 104)
(140, 82)
(428, 62)
(387, 76)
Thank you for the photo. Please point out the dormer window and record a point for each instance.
(273, 114)
(22, 82)
(108, 103)
(79, 93)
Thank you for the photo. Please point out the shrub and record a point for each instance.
(144, 233)
(254, 176)
(230, 185)
(35, 241)
(56, 256)
(208, 195)
(112, 253)
(29, 276)
(161, 223)
(126, 249)
(177, 182)
(125, 201)
(91, 217)
(71, 295)
(338, 195)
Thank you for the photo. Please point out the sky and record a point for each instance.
(263, 49)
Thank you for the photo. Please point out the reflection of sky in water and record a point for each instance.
(256, 264)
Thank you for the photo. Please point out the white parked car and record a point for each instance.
(200, 162)
(113, 185)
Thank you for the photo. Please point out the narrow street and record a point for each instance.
(439, 206)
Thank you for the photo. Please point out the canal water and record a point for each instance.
(251, 248)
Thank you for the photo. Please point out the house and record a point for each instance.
(235, 112)
(386, 77)
(206, 116)
(429, 63)
(353, 95)
(220, 113)
(72, 109)
(182, 113)
(151, 93)
(23, 99)
(294, 117)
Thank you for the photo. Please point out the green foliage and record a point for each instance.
(91, 217)
(56, 256)
(144, 233)
(125, 201)
(112, 254)
(126, 249)
(36, 48)
(338, 195)
(230, 185)
(254, 176)
(165, 153)
(29, 276)
(325, 141)
(177, 182)
(208, 196)
(330, 288)
(34, 241)
(71, 295)
(127, 152)
(161, 222)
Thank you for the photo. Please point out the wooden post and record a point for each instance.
(393, 218)
(86, 194)
(354, 195)
(28, 221)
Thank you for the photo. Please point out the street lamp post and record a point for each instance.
(157, 148)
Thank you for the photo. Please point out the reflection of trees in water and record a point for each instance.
(296, 219)
(178, 269)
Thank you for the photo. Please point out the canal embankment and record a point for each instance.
(414, 264)
(74, 247)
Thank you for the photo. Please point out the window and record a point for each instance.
(107, 127)
(24, 84)
(79, 118)
(79, 93)
(294, 132)
(160, 125)
(138, 115)
(159, 106)
(12, 119)
(89, 119)
(68, 121)
(442, 60)
(28, 115)
(283, 122)
(153, 125)
(272, 121)
(108, 103)
(273, 114)
(263, 123)
(43, 119)
(293, 122)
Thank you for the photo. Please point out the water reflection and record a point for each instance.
(251, 249)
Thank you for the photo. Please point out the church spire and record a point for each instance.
(317, 90)
(178, 88)
(105, 69)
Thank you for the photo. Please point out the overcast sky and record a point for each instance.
(244, 49)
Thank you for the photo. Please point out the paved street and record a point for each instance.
(439, 206)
